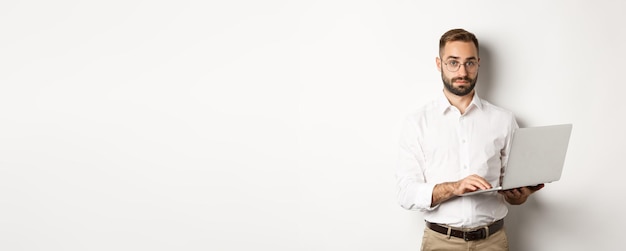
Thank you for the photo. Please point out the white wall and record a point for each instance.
(273, 125)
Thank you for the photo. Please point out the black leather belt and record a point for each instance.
(477, 234)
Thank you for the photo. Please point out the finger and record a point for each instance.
(536, 188)
(469, 186)
(481, 182)
(513, 193)
(525, 191)
(507, 193)
(477, 184)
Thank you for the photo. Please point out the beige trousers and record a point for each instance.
(433, 241)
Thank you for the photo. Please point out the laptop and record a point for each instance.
(536, 156)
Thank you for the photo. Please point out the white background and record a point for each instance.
(273, 125)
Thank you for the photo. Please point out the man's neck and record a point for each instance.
(460, 102)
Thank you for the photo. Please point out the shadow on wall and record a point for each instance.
(486, 73)
(517, 221)
(486, 78)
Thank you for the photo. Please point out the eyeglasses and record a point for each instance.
(454, 65)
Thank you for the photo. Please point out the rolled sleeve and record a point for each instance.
(414, 192)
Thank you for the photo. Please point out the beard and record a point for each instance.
(461, 90)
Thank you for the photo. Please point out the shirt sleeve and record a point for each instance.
(504, 153)
(414, 193)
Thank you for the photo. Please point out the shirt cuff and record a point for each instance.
(425, 197)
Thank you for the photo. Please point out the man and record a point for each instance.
(454, 145)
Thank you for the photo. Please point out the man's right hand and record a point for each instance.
(470, 184)
(447, 190)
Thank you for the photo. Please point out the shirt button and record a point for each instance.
(463, 140)
(464, 166)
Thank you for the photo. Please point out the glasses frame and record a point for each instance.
(464, 65)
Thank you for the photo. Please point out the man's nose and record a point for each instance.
(462, 71)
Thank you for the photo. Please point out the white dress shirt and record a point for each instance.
(438, 145)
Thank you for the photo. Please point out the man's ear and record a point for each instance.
(438, 61)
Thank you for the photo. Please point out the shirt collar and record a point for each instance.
(444, 104)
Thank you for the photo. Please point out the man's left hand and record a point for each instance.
(518, 196)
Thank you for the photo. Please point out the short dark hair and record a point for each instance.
(457, 35)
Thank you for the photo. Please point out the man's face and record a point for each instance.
(462, 81)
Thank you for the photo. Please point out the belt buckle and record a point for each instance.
(472, 236)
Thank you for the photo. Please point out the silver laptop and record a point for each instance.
(536, 156)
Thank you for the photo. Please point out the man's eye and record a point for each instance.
(470, 63)
(453, 63)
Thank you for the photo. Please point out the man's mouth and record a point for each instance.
(461, 81)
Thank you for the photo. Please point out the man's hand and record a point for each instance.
(470, 184)
(518, 196)
(447, 190)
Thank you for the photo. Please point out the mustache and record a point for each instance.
(461, 78)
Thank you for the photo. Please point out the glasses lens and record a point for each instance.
(453, 65)
(470, 66)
